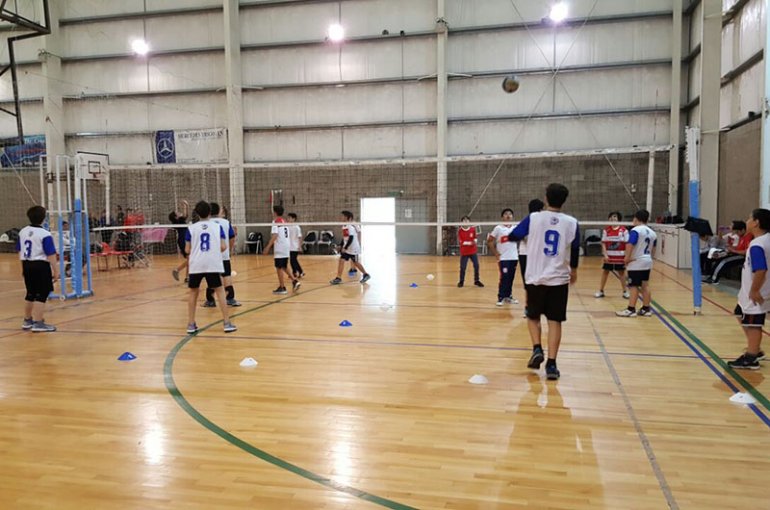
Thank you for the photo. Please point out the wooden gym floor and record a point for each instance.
(379, 414)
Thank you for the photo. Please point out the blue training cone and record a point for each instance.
(127, 356)
(413, 285)
(346, 324)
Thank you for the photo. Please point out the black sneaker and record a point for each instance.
(478, 283)
(551, 372)
(366, 278)
(744, 362)
(295, 285)
(460, 285)
(280, 290)
(760, 355)
(644, 312)
(209, 304)
(336, 281)
(536, 359)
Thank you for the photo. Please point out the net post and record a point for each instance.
(692, 153)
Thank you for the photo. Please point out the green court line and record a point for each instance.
(719, 361)
(176, 393)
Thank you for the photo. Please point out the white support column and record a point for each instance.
(234, 87)
(764, 171)
(675, 127)
(710, 81)
(650, 180)
(441, 124)
(53, 105)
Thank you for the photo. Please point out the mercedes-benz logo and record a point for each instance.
(165, 147)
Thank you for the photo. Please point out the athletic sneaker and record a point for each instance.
(42, 327)
(233, 302)
(192, 328)
(511, 300)
(626, 313)
(280, 290)
(336, 281)
(295, 285)
(744, 362)
(626, 294)
(230, 327)
(27, 324)
(599, 294)
(499, 302)
(760, 355)
(477, 283)
(366, 278)
(352, 272)
(302, 275)
(644, 313)
(209, 304)
(460, 285)
(536, 359)
(551, 372)
(175, 274)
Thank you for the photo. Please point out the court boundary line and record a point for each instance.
(631, 412)
(176, 394)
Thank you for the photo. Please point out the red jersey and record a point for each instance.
(614, 239)
(467, 241)
(743, 244)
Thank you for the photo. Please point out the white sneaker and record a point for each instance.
(626, 313)
(510, 300)
(599, 294)
(499, 303)
(626, 294)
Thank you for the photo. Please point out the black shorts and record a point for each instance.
(347, 256)
(614, 267)
(38, 279)
(636, 278)
(753, 320)
(281, 263)
(182, 250)
(550, 301)
(228, 268)
(738, 311)
(213, 280)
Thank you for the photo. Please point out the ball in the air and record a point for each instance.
(430, 277)
(510, 84)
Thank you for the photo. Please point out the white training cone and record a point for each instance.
(249, 362)
(430, 277)
(478, 379)
(743, 398)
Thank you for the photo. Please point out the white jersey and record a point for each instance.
(757, 258)
(281, 248)
(355, 245)
(507, 251)
(295, 237)
(643, 239)
(229, 234)
(205, 238)
(35, 243)
(551, 237)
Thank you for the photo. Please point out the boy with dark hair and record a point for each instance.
(614, 238)
(535, 205)
(227, 278)
(351, 248)
(507, 256)
(37, 253)
(466, 236)
(735, 254)
(180, 218)
(295, 242)
(553, 248)
(205, 242)
(754, 296)
(640, 251)
(279, 240)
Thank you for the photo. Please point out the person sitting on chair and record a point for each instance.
(733, 257)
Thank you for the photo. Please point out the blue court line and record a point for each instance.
(710, 365)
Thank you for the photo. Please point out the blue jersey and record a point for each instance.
(35, 243)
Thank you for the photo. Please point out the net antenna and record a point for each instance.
(18, 14)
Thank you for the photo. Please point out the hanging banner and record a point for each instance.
(191, 146)
(28, 154)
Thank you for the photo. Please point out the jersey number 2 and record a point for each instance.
(551, 243)
(646, 245)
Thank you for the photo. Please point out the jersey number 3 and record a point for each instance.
(27, 249)
(551, 243)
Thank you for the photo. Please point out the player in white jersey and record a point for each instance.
(553, 250)
(37, 253)
(639, 252)
(351, 249)
(295, 243)
(507, 255)
(754, 296)
(205, 241)
(535, 205)
(227, 279)
(280, 235)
